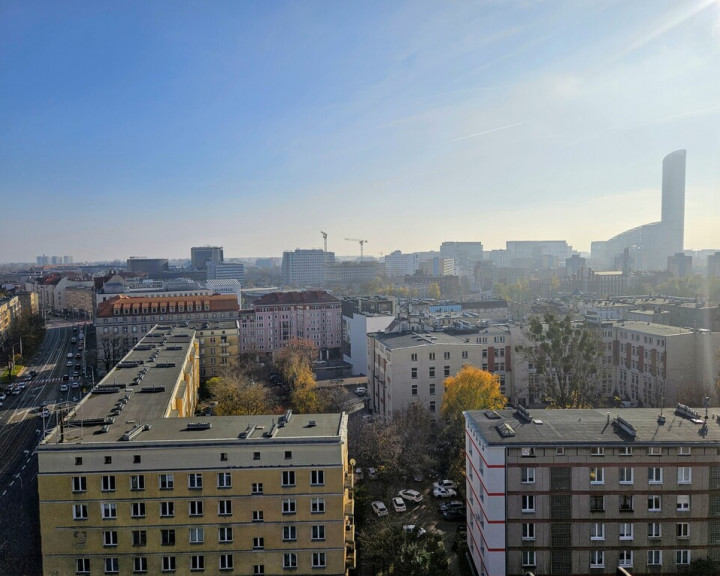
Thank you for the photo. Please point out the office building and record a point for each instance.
(582, 492)
(306, 268)
(360, 317)
(680, 265)
(132, 483)
(153, 267)
(201, 255)
(225, 271)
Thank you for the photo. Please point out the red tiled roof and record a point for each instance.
(217, 303)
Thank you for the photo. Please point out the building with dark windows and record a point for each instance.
(201, 255)
(584, 492)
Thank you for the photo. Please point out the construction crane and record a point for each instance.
(324, 234)
(362, 246)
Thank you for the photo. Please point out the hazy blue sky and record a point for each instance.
(147, 127)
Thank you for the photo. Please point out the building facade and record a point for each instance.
(306, 268)
(132, 484)
(200, 256)
(582, 492)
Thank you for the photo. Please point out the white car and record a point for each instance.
(399, 504)
(372, 473)
(441, 492)
(379, 508)
(63, 387)
(410, 495)
(2, 397)
(358, 474)
(411, 528)
(445, 484)
(361, 390)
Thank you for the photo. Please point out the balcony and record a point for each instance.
(349, 510)
(349, 483)
(349, 532)
(350, 560)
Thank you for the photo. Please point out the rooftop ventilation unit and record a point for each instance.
(285, 418)
(129, 364)
(311, 424)
(106, 389)
(247, 432)
(273, 430)
(164, 364)
(152, 389)
(625, 426)
(687, 412)
(199, 426)
(131, 434)
(523, 413)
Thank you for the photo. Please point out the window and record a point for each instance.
(259, 570)
(257, 516)
(626, 531)
(528, 503)
(289, 533)
(654, 530)
(682, 530)
(684, 475)
(288, 478)
(625, 558)
(288, 507)
(446, 355)
(317, 477)
(167, 537)
(654, 503)
(289, 560)
(82, 565)
(109, 510)
(431, 356)
(223, 456)
(527, 475)
(318, 532)
(625, 451)
(258, 543)
(528, 531)
(597, 503)
(432, 406)
(431, 371)
(197, 562)
(464, 354)
(110, 538)
(195, 508)
(288, 454)
(318, 559)
(683, 502)
(597, 531)
(414, 390)
(597, 475)
(108, 459)
(654, 557)
(195, 481)
(225, 508)
(139, 538)
(626, 503)
(226, 562)
(80, 512)
(654, 451)
(167, 509)
(225, 534)
(528, 557)
(137, 482)
(684, 450)
(224, 480)
(413, 357)
(197, 535)
(140, 564)
(137, 510)
(413, 373)
(682, 557)
(597, 451)
(167, 481)
(79, 484)
(317, 505)
(432, 389)
(108, 483)
(168, 563)
(560, 451)
(257, 488)
(256, 455)
(655, 475)
(527, 452)
(597, 558)
(446, 370)
(625, 475)
(112, 565)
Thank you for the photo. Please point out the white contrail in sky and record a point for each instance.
(488, 131)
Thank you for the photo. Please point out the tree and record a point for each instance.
(298, 352)
(304, 396)
(434, 291)
(237, 394)
(111, 348)
(567, 360)
(470, 389)
(703, 567)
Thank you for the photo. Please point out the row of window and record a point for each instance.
(197, 563)
(625, 558)
(194, 481)
(109, 510)
(625, 530)
(446, 355)
(529, 452)
(626, 475)
(197, 536)
(625, 503)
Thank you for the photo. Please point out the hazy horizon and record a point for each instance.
(160, 126)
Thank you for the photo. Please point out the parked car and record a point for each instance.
(361, 390)
(445, 484)
(454, 515)
(441, 492)
(372, 473)
(69, 363)
(411, 495)
(2, 396)
(63, 387)
(413, 529)
(358, 474)
(452, 505)
(379, 508)
(66, 377)
(399, 504)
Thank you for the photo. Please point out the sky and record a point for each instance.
(143, 128)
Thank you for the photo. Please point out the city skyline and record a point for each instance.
(251, 126)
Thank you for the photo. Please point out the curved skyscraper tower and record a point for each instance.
(673, 202)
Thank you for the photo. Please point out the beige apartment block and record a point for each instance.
(133, 483)
(583, 492)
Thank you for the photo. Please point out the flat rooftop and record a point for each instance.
(413, 339)
(595, 427)
(650, 328)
